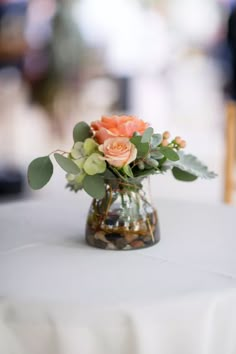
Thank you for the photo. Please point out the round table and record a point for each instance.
(60, 296)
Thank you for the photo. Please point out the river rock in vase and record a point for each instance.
(124, 219)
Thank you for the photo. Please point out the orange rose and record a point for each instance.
(118, 151)
(110, 127)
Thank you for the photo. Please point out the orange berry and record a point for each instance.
(165, 142)
(178, 140)
(166, 135)
(182, 144)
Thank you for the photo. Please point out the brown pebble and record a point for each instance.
(143, 227)
(128, 247)
(137, 244)
(100, 244)
(121, 243)
(111, 246)
(147, 239)
(100, 236)
(131, 237)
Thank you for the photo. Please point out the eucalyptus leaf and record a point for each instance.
(142, 148)
(66, 164)
(136, 140)
(141, 165)
(192, 165)
(127, 170)
(117, 173)
(94, 186)
(183, 175)
(146, 137)
(156, 140)
(81, 132)
(169, 153)
(109, 174)
(136, 134)
(40, 171)
(157, 155)
(145, 173)
(151, 162)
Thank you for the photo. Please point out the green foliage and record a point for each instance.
(136, 134)
(66, 164)
(108, 174)
(141, 165)
(144, 173)
(90, 146)
(147, 135)
(81, 132)
(118, 173)
(136, 140)
(156, 155)
(75, 181)
(94, 186)
(169, 153)
(192, 165)
(78, 150)
(142, 148)
(151, 162)
(94, 164)
(40, 171)
(79, 178)
(127, 170)
(183, 175)
(156, 140)
(80, 162)
(86, 168)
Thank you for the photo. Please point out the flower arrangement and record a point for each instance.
(120, 147)
(110, 159)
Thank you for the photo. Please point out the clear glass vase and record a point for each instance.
(124, 219)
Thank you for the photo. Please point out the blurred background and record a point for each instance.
(169, 62)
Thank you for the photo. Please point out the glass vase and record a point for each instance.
(124, 219)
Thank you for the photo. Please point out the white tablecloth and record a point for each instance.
(60, 296)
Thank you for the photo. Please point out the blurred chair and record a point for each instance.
(230, 137)
(11, 183)
(230, 157)
(12, 39)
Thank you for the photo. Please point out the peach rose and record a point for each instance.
(125, 126)
(118, 151)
